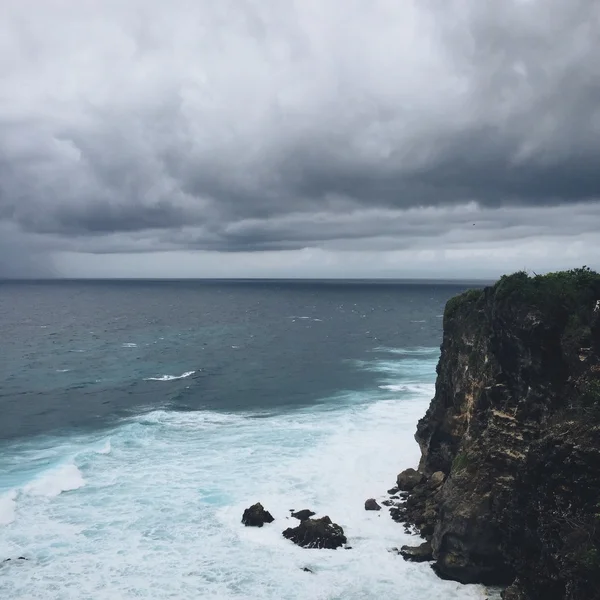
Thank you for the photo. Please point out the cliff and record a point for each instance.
(513, 438)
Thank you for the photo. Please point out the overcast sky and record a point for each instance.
(298, 138)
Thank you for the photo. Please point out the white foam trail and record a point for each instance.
(62, 370)
(105, 449)
(129, 345)
(171, 377)
(8, 507)
(420, 389)
(65, 478)
(416, 351)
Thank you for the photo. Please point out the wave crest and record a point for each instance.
(171, 377)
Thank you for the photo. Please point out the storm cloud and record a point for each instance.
(228, 128)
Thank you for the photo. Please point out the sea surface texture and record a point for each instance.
(139, 419)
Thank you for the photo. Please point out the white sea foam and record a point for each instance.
(159, 516)
(418, 389)
(105, 449)
(129, 345)
(419, 351)
(171, 377)
(65, 478)
(62, 370)
(7, 507)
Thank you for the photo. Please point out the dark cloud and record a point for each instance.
(136, 126)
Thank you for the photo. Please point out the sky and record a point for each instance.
(298, 138)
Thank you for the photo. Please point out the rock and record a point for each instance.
(436, 480)
(419, 553)
(307, 570)
(316, 533)
(513, 592)
(304, 514)
(408, 479)
(347, 547)
(393, 491)
(387, 502)
(256, 516)
(371, 504)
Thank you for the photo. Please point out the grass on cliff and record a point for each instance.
(571, 293)
(568, 297)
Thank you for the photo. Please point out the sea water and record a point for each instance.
(141, 419)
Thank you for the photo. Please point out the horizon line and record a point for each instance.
(449, 280)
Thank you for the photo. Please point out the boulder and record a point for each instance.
(436, 480)
(408, 479)
(371, 504)
(420, 553)
(256, 516)
(393, 490)
(316, 533)
(304, 514)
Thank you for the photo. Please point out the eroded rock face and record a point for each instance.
(256, 516)
(510, 444)
(316, 533)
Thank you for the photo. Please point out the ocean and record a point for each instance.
(138, 419)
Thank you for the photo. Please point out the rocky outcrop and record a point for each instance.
(508, 485)
(421, 553)
(256, 516)
(317, 533)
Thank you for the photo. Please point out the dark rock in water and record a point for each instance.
(256, 516)
(393, 491)
(387, 502)
(6, 560)
(420, 553)
(304, 514)
(347, 547)
(316, 533)
(371, 504)
(408, 479)
(307, 570)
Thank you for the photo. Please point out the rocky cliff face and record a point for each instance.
(513, 434)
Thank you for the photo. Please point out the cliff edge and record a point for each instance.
(508, 485)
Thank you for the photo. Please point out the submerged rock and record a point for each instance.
(316, 533)
(256, 516)
(371, 504)
(303, 514)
